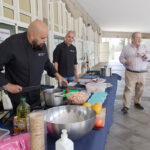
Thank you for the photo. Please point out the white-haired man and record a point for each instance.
(134, 57)
(65, 58)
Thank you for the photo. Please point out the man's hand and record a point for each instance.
(60, 79)
(76, 77)
(140, 54)
(128, 63)
(76, 73)
(13, 88)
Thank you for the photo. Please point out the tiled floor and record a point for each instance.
(131, 131)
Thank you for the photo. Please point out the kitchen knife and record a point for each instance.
(30, 88)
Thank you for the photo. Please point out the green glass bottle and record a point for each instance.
(23, 110)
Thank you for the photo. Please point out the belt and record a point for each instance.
(136, 71)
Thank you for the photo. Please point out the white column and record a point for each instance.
(50, 44)
(16, 28)
(51, 15)
(1, 8)
(76, 27)
(69, 21)
(16, 10)
(40, 12)
(33, 12)
(59, 16)
(64, 19)
(79, 26)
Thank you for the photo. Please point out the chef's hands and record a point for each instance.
(12, 88)
(60, 79)
(128, 63)
(76, 77)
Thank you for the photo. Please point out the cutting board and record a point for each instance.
(97, 97)
(70, 91)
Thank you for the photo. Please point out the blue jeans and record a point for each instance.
(69, 79)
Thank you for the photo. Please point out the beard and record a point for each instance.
(37, 46)
(138, 43)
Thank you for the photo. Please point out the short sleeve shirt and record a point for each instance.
(66, 57)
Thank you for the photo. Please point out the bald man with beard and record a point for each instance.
(25, 57)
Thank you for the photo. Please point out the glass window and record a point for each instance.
(6, 31)
(25, 18)
(62, 16)
(36, 7)
(10, 2)
(25, 5)
(9, 13)
(146, 42)
(66, 21)
(20, 29)
(115, 47)
(56, 28)
(55, 13)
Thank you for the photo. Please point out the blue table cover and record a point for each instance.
(96, 139)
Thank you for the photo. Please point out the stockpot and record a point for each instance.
(53, 97)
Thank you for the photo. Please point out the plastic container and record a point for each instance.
(78, 98)
(96, 87)
(64, 143)
(15, 125)
(3, 133)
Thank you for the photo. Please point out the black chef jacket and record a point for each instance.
(66, 57)
(23, 64)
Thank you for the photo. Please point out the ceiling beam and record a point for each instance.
(110, 34)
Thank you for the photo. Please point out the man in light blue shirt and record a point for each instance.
(135, 58)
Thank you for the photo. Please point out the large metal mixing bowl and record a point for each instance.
(78, 120)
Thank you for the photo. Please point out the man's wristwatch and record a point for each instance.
(144, 56)
(4, 88)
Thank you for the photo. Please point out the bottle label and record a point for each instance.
(15, 124)
(22, 124)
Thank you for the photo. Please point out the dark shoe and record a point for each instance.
(125, 110)
(139, 106)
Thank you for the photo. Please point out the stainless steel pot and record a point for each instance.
(103, 72)
(53, 97)
(106, 72)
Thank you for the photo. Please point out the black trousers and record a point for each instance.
(32, 98)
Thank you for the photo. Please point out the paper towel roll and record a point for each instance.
(37, 131)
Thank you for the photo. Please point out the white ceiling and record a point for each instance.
(119, 15)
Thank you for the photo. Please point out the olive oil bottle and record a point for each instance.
(23, 110)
